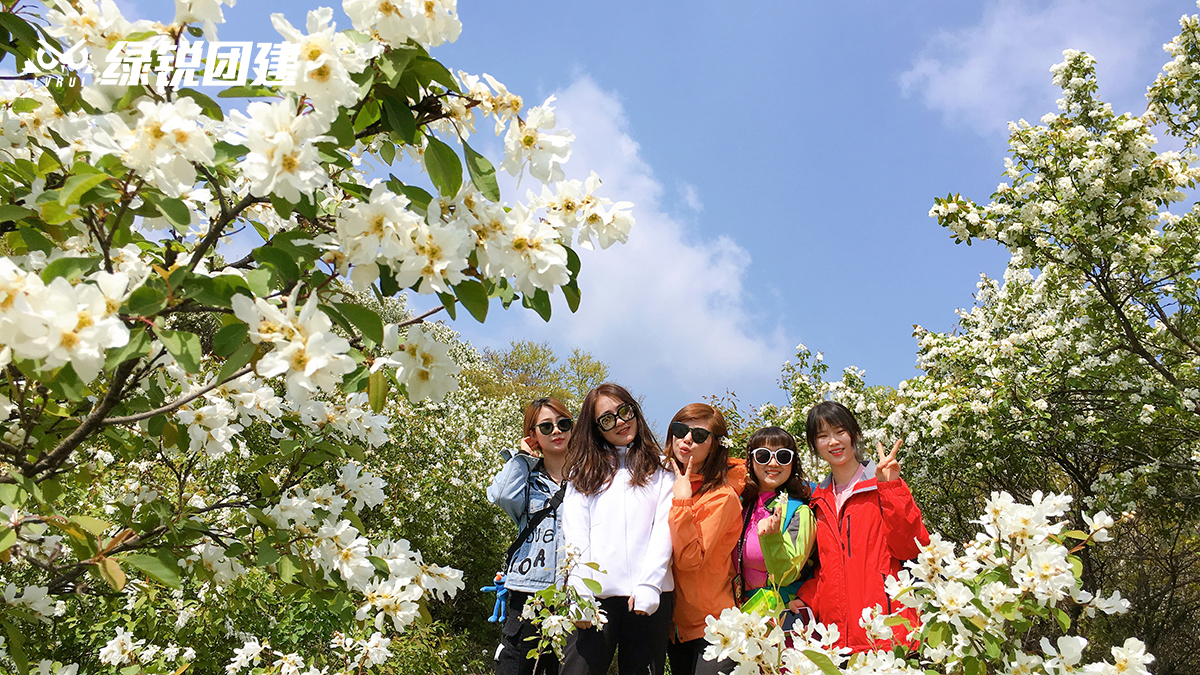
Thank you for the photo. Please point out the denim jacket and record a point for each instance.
(523, 487)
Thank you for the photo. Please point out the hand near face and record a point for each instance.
(888, 469)
(530, 447)
(682, 488)
(773, 524)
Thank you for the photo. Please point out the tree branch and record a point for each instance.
(177, 403)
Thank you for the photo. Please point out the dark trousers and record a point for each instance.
(640, 642)
(511, 657)
(687, 658)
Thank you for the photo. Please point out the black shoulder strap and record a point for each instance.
(535, 519)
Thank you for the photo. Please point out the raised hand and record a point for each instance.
(773, 524)
(682, 488)
(888, 468)
(531, 447)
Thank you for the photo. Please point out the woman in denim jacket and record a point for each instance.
(524, 486)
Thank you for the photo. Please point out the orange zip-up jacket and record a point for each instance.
(704, 532)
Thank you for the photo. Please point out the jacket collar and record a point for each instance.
(867, 483)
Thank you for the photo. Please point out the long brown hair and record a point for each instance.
(716, 465)
(535, 408)
(592, 460)
(774, 437)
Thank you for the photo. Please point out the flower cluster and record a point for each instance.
(972, 607)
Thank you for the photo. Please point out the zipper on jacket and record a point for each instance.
(847, 536)
(884, 577)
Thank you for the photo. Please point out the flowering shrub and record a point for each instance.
(554, 610)
(187, 434)
(975, 607)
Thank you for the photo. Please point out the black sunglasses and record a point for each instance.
(699, 434)
(564, 425)
(783, 456)
(608, 421)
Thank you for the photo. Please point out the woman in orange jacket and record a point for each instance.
(705, 520)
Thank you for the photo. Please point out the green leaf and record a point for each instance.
(162, 568)
(112, 573)
(16, 647)
(235, 362)
(399, 117)
(208, 106)
(572, 262)
(184, 346)
(147, 300)
(538, 302)
(343, 130)
(474, 297)
(448, 301)
(174, 210)
(36, 241)
(21, 31)
(247, 92)
(93, 525)
(1064, 620)
(483, 174)
(69, 267)
(444, 167)
(822, 661)
(283, 264)
(1076, 566)
(937, 635)
(266, 555)
(430, 70)
(377, 390)
(972, 666)
(12, 212)
(268, 486)
(8, 539)
(137, 347)
(593, 585)
(364, 319)
(571, 293)
(75, 186)
(286, 569)
(387, 152)
(228, 339)
(394, 63)
(259, 282)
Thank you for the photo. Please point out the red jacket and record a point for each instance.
(873, 537)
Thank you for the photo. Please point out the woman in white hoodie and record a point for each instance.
(615, 512)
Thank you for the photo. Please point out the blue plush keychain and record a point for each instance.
(501, 598)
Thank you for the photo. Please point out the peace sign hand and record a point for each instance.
(683, 481)
(888, 468)
(773, 524)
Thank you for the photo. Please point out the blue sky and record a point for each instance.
(783, 157)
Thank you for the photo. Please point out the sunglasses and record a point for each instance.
(608, 421)
(680, 430)
(564, 425)
(782, 456)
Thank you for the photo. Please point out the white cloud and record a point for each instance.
(666, 310)
(998, 70)
(691, 197)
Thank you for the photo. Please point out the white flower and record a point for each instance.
(429, 23)
(327, 59)
(282, 158)
(166, 140)
(121, 649)
(530, 141)
(427, 370)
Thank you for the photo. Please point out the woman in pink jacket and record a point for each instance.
(867, 526)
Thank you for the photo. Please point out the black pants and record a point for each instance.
(511, 657)
(687, 658)
(640, 642)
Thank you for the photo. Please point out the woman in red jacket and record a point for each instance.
(867, 526)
